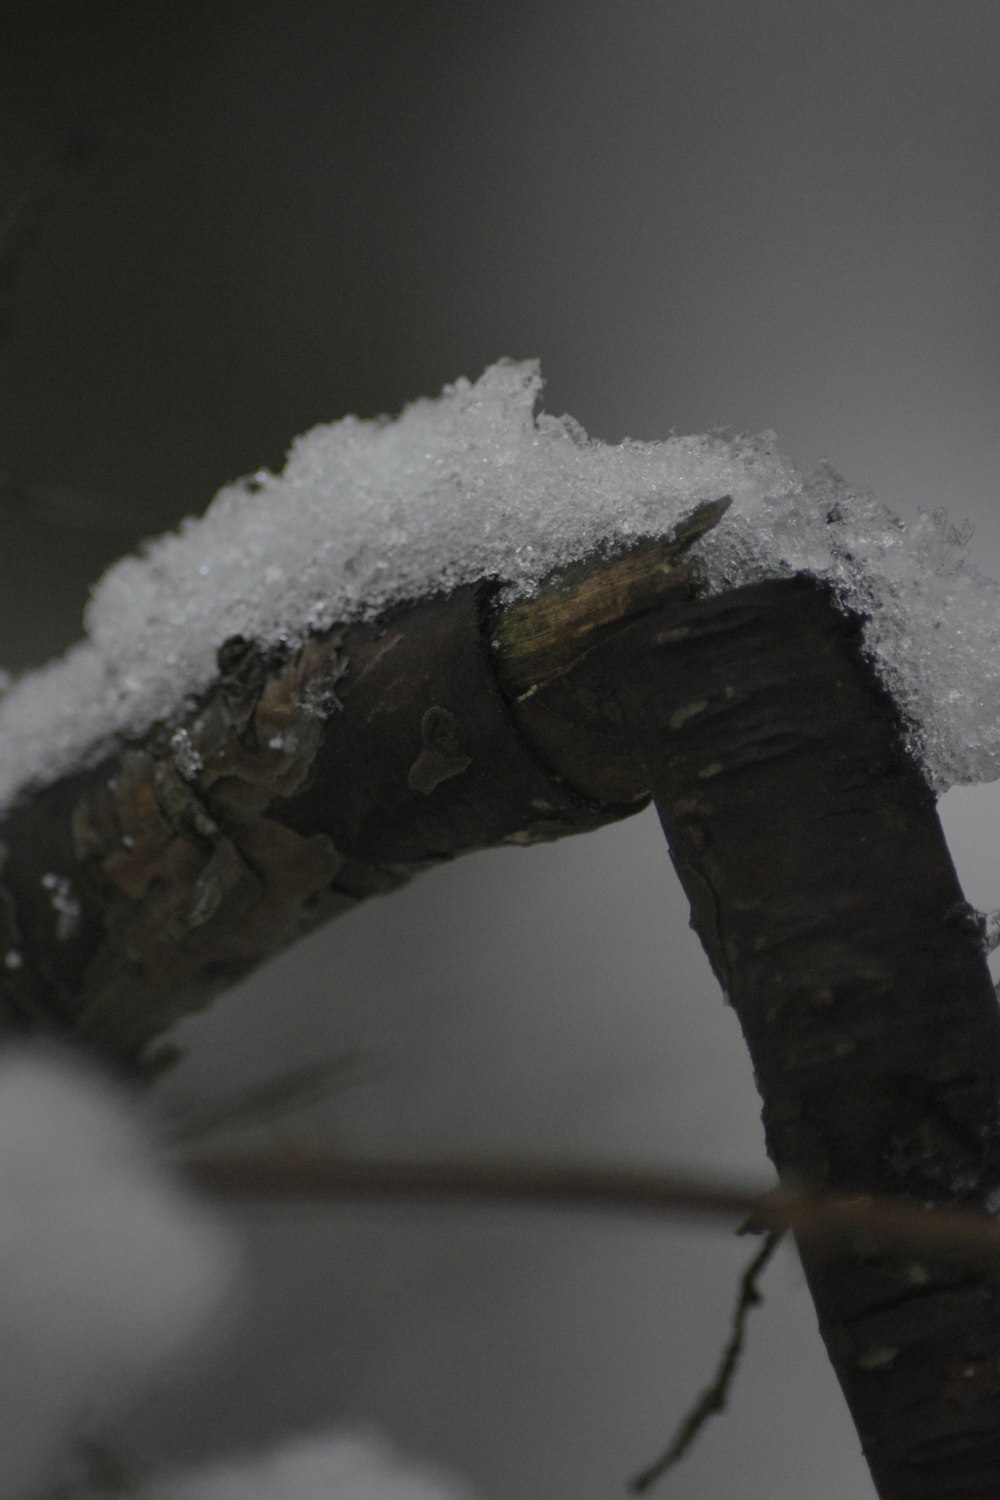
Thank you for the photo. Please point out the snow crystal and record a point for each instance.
(346, 1466)
(476, 484)
(106, 1269)
(64, 903)
(186, 758)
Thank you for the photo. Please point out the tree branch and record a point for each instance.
(805, 838)
(299, 784)
(965, 1238)
(824, 895)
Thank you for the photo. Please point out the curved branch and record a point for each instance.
(806, 839)
(299, 784)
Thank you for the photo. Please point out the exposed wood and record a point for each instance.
(540, 644)
(545, 635)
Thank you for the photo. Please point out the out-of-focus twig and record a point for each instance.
(261, 1103)
(879, 1224)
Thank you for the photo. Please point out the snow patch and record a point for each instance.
(346, 1466)
(478, 484)
(107, 1269)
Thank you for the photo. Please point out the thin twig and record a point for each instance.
(713, 1398)
(880, 1223)
(262, 1103)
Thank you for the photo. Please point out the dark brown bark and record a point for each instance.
(302, 783)
(297, 788)
(822, 890)
(805, 838)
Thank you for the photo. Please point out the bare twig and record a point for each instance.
(261, 1103)
(867, 1223)
(713, 1398)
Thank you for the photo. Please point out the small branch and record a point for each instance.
(261, 1103)
(877, 1223)
(713, 1398)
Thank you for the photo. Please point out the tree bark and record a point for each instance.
(300, 783)
(806, 840)
(135, 891)
(822, 890)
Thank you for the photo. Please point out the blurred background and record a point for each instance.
(223, 223)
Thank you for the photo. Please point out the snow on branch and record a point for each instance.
(478, 484)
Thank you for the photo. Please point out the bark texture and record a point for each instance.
(134, 892)
(806, 840)
(301, 783)
(824, 895)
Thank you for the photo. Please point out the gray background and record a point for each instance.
(765, 215)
